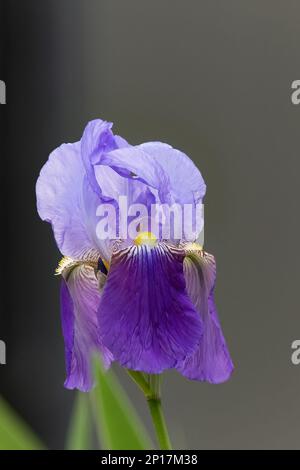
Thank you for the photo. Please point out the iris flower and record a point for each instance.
(146, 303)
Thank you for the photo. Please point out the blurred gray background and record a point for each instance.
(213, 79)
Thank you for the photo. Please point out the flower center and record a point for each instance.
(145, 238)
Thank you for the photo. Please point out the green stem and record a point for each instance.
(159, 423)
(151, 390)
(154, 384)
(141, 382)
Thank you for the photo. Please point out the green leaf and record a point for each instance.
(118, 425)
(80, 432)
(14, 432)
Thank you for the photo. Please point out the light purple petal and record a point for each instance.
(114, 185)
(108, 184)
(136, 164)
(80, 298)
(162, 167)
(145, 317)
(211, 362)
(186, 183)
(97, 138)
(121, 142)
(66, 200)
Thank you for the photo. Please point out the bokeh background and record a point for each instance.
(213, 79)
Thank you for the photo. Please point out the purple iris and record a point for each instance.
(146, 303)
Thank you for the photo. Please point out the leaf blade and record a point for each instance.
(80, 432)
(15, 434)
(117, 422)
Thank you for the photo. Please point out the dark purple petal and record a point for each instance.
(80, 298)
(211, 362)
(67, 321)
(145, 317)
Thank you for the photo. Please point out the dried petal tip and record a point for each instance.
(65, 263)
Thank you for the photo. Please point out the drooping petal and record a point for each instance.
(66, 200)
(146, 318)
(211, 362)
(80, 298)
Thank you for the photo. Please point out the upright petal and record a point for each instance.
(163, 168)
(114, 185)
(211, 362)
(146, 318)
(174, 181)
(97, 138)
(186, 183)
(80, 298)
(66, 200)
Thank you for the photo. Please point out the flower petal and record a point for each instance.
(114, 185)
(80, 299)
(97, 138)
(145, 317)
(186, 183)
(211, 362)
(108, 184)
(66, 200)
(162, 167)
